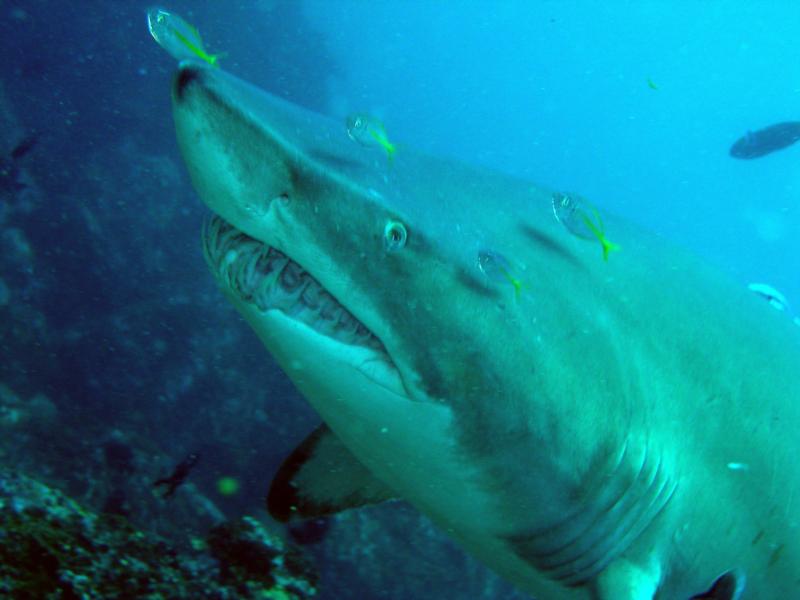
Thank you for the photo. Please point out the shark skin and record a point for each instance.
(617, 431)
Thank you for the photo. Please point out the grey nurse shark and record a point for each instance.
(620, 431)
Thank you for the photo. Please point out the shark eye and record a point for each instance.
(394, 235)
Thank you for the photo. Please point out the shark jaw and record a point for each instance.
(271, 256)
(272, 288)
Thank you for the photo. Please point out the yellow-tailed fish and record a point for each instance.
(497, 268)
(178, 37)
(582, 220)
(369, 131)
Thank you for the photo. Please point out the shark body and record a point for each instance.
(619, 431)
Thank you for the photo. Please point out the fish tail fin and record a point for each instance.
(379, 135)
(214, 58)
(608, 247)
(388, 146)
(519, 286)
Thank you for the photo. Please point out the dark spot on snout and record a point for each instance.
(186, 76)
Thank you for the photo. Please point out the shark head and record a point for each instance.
(363, 278)
(366, 281)
(474, 358)
(360, 254)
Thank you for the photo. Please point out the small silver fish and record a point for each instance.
(497, 268)
(369, 131)
(776, 300)
(177, 37)
(582, 220)
(770, 294)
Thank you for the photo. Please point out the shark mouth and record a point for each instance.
(267, 278)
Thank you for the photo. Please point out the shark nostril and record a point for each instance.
(185, 77)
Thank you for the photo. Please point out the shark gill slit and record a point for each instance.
(619, 505)
(270, 280)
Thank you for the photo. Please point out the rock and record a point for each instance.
(52, 547)
(247, 551)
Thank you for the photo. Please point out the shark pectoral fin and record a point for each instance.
(624, 580)
(322, 477)
(728, 586)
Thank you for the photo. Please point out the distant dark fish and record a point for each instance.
(762, 142)
(9, 169)
(23, 147)
(178, 476)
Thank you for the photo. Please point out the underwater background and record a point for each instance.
(119, 357)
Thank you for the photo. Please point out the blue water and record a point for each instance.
(112, 314)
(559, 93)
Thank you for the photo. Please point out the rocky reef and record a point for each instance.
(52, 547)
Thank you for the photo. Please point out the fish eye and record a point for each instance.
(394, 235)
